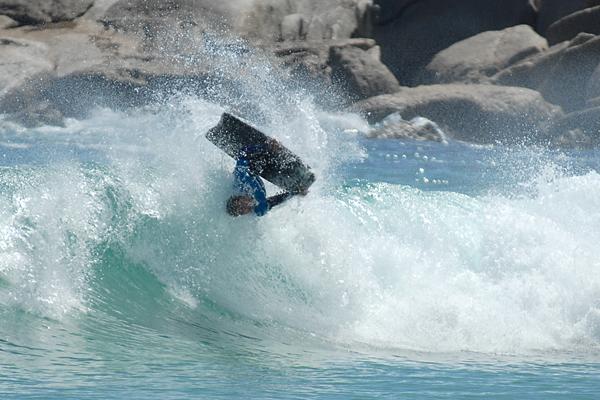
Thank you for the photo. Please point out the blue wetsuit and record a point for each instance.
(248, 184)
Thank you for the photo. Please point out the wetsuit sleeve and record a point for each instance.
(278, 199)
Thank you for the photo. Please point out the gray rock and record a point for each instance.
(417, 30)
(174, 26)
(21, 59)
(293, 27)
(44, 11)
(6, 22)
(551, 11)
(89, 67)
(418, 128)
(260, 20)
(483, 55)
(271, 20)
(360, 71)
(562, 74)
(532, 71)
(580, 129)
(341, 71)
(98, 10)
(592, 94)
(587, 20)
(94, 66)
(482, 114)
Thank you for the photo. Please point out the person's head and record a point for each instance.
(240, 205)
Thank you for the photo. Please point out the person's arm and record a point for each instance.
(278, 199)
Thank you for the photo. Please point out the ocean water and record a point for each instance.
(411, 270)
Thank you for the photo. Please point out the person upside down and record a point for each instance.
(250, 194)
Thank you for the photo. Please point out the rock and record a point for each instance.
(21, 59)
(31, 12)
(418, 128)
(579, 129)
(410, 33)
(258, 21)
(94, 66)
(6, 22)
(592, 94)
(293, 27)
(271, 20)
(91, 67)
(306, 61)
(587, 20)
(561, 74)
(532, 71)
(483, 55)
(551, 11)
(352, 65)
(360, 71)
(482, 114)
(174, 26)
(99, 9)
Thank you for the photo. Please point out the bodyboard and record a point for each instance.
(274, 162)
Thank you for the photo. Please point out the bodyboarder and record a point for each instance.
(249, 190)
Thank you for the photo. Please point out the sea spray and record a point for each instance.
(133, 227)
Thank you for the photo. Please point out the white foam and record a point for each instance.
(383, 264)
(48, 221)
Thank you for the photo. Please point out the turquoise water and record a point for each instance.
(411, 270)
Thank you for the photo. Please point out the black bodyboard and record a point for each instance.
(273, 162)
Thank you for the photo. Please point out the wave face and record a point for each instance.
(119, 221)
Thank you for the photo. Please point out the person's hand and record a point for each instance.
(303, 192)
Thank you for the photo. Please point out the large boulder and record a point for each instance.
(587, 20)
(483, 55)
(20, 59)
(551, 11)
(6, 22)
(276, 20)
(412, 32)
(360, 71)
(44, 11)
(577, 129)
(174, 26)
(67, 71)
(475, 113)
(260, 20)
(338, 71)
(418, 128)
(562, 74)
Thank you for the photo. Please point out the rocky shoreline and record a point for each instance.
(485, 71)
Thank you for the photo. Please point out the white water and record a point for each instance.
(383, 265)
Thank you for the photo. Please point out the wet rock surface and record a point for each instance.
(44, 11)
(586, 20)
(479, 57)
(476, 113)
